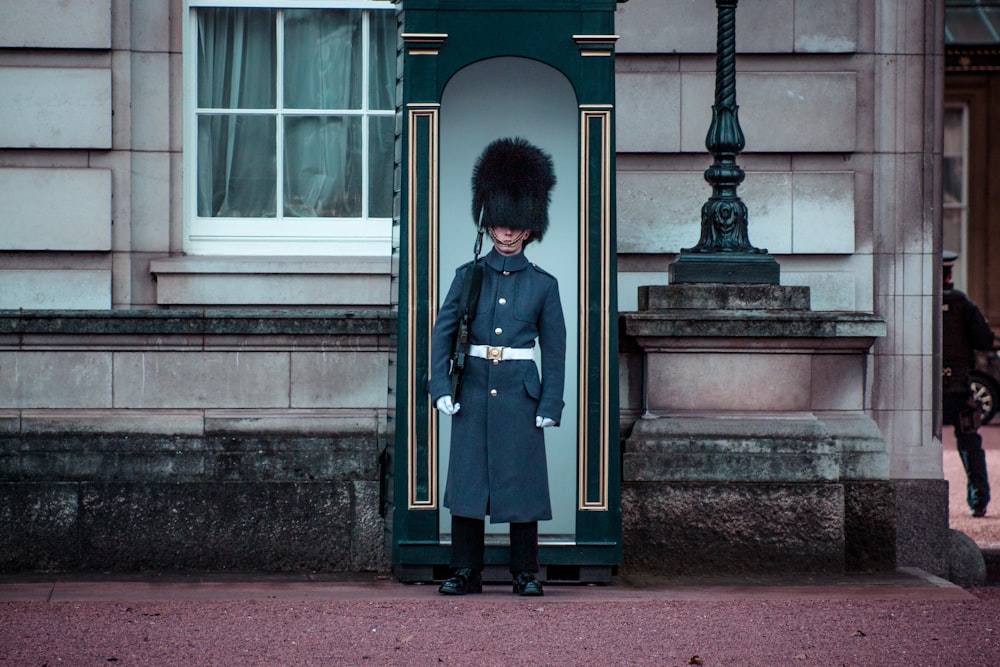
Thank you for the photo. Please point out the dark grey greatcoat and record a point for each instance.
(497, 453)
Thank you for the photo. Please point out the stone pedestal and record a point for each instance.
(755, 443)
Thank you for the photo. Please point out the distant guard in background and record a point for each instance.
(964, 330)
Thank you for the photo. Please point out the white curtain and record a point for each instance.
(322, 153)
(236, 152)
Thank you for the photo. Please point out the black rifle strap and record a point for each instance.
(470, 291)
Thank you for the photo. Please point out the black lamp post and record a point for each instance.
(724, 253)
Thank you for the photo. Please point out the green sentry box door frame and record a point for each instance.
(439, 38)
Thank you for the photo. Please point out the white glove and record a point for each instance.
(445, 405)
(544, 422)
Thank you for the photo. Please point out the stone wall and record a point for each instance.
(193, 440)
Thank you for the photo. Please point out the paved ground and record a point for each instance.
(905, 618)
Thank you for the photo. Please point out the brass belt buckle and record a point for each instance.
(494, 353)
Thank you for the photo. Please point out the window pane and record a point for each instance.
(236, 166)
(952, 180)
(951, 238)
(323, 166)
(954, 130)
(323, 64)
(953, 162)
(236, 59)
(380, 164)
(382, 60)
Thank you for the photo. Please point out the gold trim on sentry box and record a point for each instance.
(601, 114)
(421, 114)
(423, 43)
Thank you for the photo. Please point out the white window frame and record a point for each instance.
(362, 236)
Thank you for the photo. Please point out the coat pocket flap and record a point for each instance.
(533, 387)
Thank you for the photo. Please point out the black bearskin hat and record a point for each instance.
(511, 184)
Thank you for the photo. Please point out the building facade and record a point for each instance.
(198, 340)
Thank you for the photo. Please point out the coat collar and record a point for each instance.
(499, 262)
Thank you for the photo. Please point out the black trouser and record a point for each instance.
(468, 544)
(955, 410)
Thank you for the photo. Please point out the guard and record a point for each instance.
(964, 330)
(497, 465)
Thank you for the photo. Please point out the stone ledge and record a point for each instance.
(753, 324)
(271, 265)
(199, 322)
(150, 458)
(716, 296)
(755, 447)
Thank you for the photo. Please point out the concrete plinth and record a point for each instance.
(688, 528)
(755, 452)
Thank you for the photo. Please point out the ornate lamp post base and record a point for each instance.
(725, 267)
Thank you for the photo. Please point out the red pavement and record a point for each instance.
(906, 618)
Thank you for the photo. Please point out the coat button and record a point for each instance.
(493, 392)
(498, 331)
(506, 273)
(502, 301)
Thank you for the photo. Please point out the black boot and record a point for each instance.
(465, 580)
(526, 584)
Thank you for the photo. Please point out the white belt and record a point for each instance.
(501, 353)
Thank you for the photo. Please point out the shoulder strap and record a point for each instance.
(471, 285)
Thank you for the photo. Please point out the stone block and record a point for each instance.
(201, 380)
(652, 27)
(55, 289)
(869, 527)
(707, 528)
(150, 211)
(737, 449)
(55, 379)
(828, 290)
(56, 24)
(38, 526)
(368, 552)
(822, 26)
(339, 379)
(838, 382)
(791, 101)
(241, 526)
(154, 458)
(10, 421)
(922, 533)
(151, 104)
(648, 118)
(55, 107)
(76, 214)
(713, 296)
(707, 381)
(151, 26)
(341, 281)
(863, 451)
(805, 213)
(162, 422)
(658, 212)
(822, 213)
(302, 422)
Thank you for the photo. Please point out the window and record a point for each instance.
(955, 186)
(289, 128)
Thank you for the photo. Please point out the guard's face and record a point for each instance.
(509, 241)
